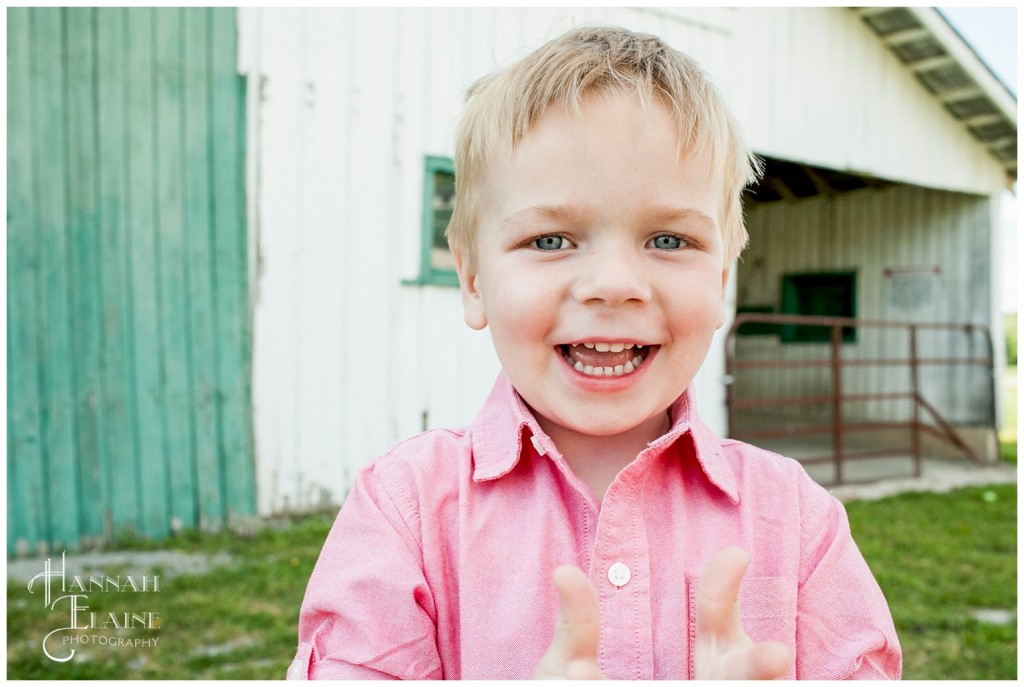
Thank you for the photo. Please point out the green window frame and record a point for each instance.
(437, 266)
(824, 294)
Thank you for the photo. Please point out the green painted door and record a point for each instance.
(128, 325)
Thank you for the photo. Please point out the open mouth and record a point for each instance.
(600, 359)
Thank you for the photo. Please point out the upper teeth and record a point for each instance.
(609, 347)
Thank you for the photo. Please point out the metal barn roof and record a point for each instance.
(952, 72)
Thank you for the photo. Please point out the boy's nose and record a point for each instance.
(611, 278)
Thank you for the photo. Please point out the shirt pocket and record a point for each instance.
(767, 613)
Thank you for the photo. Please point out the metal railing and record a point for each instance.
(838, 429)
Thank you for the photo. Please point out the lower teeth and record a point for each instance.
(616, 371)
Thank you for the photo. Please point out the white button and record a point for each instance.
(619, 574)
(537, 445)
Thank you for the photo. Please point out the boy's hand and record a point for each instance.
(573, 651)
(722, 650)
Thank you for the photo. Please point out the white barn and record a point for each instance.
(888, 145)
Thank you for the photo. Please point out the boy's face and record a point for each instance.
(594, 234)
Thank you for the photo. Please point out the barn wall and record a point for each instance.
(127, 310)
(350, 354)
(919, 256)
(814, 85)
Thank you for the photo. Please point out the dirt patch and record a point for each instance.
(168, 564)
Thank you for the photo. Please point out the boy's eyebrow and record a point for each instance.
(671, 215)
(553, 212)
(656, 215)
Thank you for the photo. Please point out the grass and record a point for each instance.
(1008, 432)
(233, 622)
(937, 557)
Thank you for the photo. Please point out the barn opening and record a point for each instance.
(832, 244)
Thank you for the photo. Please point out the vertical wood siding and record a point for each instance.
(128, 317)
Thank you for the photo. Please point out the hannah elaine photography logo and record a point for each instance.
(68, 597)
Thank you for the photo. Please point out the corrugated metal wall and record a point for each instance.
(919, 255)
(128, 317)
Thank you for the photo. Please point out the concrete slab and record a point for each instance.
(875, 478)
(937, 475)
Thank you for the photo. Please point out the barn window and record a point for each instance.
(825, 294)
(437, 266)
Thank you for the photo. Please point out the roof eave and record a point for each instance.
(952, 72)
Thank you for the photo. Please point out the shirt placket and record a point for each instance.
(620, 571)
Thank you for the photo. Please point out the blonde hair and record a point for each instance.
(503, 107)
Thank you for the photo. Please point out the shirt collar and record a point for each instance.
(505, 420)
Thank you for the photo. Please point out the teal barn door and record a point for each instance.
(128, 315)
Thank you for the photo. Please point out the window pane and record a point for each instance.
(819, 294)
(442, 203)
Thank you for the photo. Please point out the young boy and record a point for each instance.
(598, 214)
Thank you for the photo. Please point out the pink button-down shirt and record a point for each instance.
(439, 564)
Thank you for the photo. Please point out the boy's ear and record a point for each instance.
(472, 301)
(724, 302)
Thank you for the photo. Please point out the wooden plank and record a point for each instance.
(26, 498)
(325, 392)
(173, 256)
(84, 266)
(403, 415)
(50, 153)
(150, 442)
(120, 413)
(198, 265)
(280, 223)
(230, 265)
(370, 157)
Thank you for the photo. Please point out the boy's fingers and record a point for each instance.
(718, 608)
(725, 651)
(573, 651)
(584, 669)
(764, 661)
(767, 661)
(578, 630)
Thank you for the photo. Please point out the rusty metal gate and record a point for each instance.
(830, 390)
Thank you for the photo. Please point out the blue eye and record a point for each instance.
(549, 242)
(667, 242)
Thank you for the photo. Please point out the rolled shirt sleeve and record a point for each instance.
(368, 611)
(844, 627)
